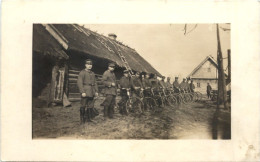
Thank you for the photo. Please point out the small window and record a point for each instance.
(209, 69)
(198, 85)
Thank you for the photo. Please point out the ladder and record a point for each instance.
(122, 57)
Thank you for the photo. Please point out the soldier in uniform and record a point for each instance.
(146, 81)
(136, 83)
(168, 84)
(192, 86)
(124, 85)
(183, 85)
(187, 87)
(209, 89)
(154, 82)
(162, 83)
(110, 90)
(176, 85)
(88, 88)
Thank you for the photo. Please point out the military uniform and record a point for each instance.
(192, 87)
(154, 83)
(162, 84)
(183, 85)
(135, 83)
(176, 86)
(110, 91)
(209, 90)
(146, 83)
(124, 84)
(87, 84)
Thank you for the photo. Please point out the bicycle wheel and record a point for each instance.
(138, 106)
(199, 96)
(178, 98)
(172, 100)
(129, 106)
(185, 98)
(151, 103)
(191, 97)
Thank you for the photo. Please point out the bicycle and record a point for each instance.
(133, 104)
(148, 100)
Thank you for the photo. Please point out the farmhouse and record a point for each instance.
(205, 72)
(59, 51)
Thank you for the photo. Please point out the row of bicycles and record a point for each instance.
(154, 100)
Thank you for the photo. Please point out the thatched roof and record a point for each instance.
(45, 44)
(91, 43)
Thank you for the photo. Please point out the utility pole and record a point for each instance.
(221, 79)
(229, 65)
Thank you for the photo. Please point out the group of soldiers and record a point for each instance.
(140, 81)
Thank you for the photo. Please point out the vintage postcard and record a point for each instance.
(132, 81)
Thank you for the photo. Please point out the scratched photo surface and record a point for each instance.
(131, 81)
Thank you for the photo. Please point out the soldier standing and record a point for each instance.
(146, 81)
(110, 90)
(154, 82)
(209, 89)
(88, 88)
(124, 85)
(168, 84)
(162, 83)
(192, 86)
(183, 85)
(176, 85)
(136, 83)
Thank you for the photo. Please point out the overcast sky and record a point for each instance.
(166, 47)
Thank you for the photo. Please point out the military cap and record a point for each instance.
(111, 64)
(176, 77)
(125, 71)
(163, 77)
(168, 77)
(88, 61)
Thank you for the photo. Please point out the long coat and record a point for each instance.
(108, 78)
(146, 83)
(176, 84)
(136, 82)
(162, 84)
(168, 85)
(87, 83)
(125, 82)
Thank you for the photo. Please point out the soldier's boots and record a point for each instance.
(105, 111)
(88, 115)
(111, 112)
(82, 115)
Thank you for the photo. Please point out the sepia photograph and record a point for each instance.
(131, 81)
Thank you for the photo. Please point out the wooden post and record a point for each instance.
(221, 70)
(229, 65)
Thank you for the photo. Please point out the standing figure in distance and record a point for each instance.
(192, 86)
(209, 91)
(88, 89)
(110, 91)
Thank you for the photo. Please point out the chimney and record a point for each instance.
(112, 36)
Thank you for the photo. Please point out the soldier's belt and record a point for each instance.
(90, 84)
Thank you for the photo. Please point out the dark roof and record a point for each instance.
(45, 44)
(91, 43)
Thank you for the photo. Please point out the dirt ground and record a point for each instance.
(198, 120)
